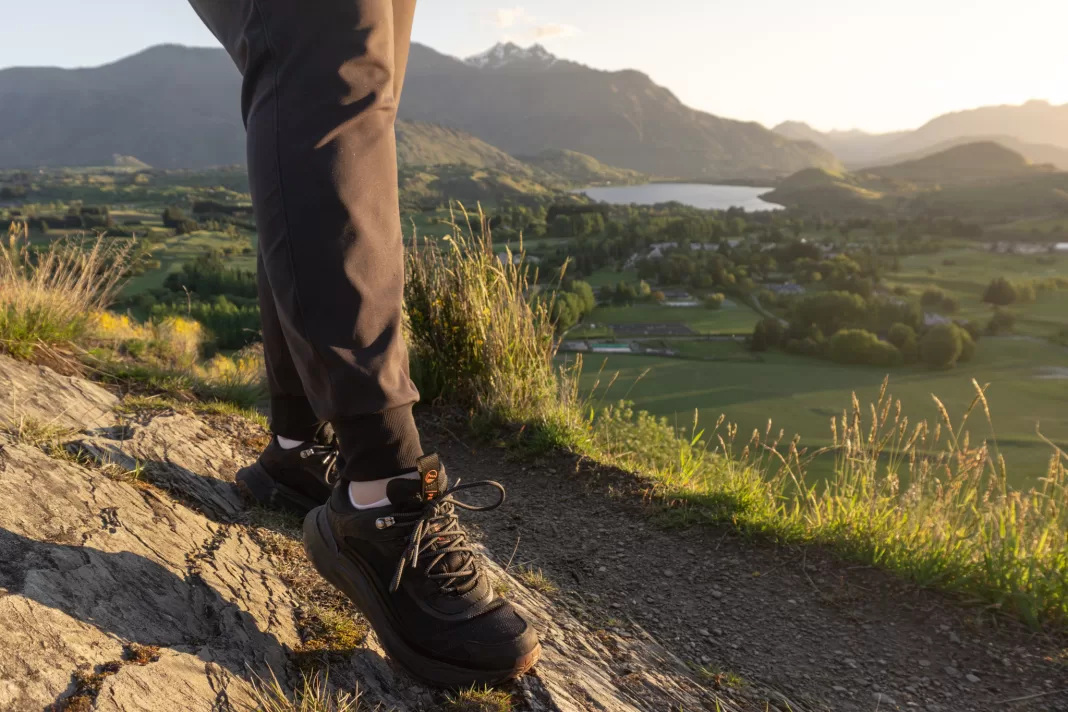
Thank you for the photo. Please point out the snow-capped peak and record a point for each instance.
(504, 54)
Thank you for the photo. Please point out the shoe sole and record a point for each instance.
(268, 492)
(355, 581)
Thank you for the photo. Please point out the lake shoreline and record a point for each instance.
(703, 196)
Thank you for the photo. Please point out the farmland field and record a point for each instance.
(966, 272)
(1029, 386)
(728, 320)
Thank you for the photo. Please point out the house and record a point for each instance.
(932, 319)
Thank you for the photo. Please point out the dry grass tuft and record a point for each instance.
(46, 296)
(479, 699)
(315, 694)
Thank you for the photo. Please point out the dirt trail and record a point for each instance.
(796, 628)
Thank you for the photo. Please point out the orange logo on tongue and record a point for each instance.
(428, 479)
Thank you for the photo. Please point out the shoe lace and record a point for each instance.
(328, 455)
(437, 530)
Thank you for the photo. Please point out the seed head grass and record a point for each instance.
(313, 694)
(46, 296)
(922, 500)
(479, 338)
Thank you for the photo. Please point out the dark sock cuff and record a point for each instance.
(293, 418)
(379, 445)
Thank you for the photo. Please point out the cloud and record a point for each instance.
(549, 32)
(522, 27)
(511, 17)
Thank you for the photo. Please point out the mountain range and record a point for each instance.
(177, 107)
(979, 179)
(1037, 130)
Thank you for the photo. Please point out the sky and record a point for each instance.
(877, 66)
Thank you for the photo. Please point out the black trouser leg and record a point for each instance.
(291, 415)
(321, 81)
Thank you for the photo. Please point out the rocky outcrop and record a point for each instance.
(132, 577)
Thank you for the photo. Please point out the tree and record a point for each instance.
(172, 216)
(967, 345)
(942, 345)
(903, 337)
(1002, 322)
(936, 299)
(759, 340)
(584, 292)
(1000, 291)
(858, 346)
(767, 334)
(714, 301)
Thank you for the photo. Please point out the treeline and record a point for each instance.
(221, 298)
(1004, 292)
(845, 327)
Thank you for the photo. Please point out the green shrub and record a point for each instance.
(938, 300)
(857, 346)
(942, 346)
(903, 337)
(1002, 322)
(714, 301)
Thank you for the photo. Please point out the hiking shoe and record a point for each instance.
(296, 480)
(409, 568)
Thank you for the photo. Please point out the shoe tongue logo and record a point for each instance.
(430, 485)
(432, 475)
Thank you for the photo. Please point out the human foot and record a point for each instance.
(409, 569)
(294, 480)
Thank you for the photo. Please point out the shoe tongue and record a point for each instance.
(412, 494)
(408, 494)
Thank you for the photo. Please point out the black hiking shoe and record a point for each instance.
(296, 480)
(409, 569)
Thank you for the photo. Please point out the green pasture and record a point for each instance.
(728, 320)
(610, 277)
(1029, 386)
(965, 273)
(180, 249)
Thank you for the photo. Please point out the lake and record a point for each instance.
(698, 195)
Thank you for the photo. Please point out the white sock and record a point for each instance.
(369, 495)
(287, 443)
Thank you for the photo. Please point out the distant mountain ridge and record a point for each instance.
(177, 107)
(980, 178)
(525, 103)
(1037, 129)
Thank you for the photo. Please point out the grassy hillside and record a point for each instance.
(424, 144)
(579, 168)
(1056, 156)
(980, 161)
(975, 181)
(826, 190)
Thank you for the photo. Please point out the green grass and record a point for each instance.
(46, 302)
(801, 395)
(919, 498)
(965, 273)
(609, 277)
(181, 249)
(479, 699)
(736, 319)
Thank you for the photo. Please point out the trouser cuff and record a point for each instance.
(379, 445)
(293, 418)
